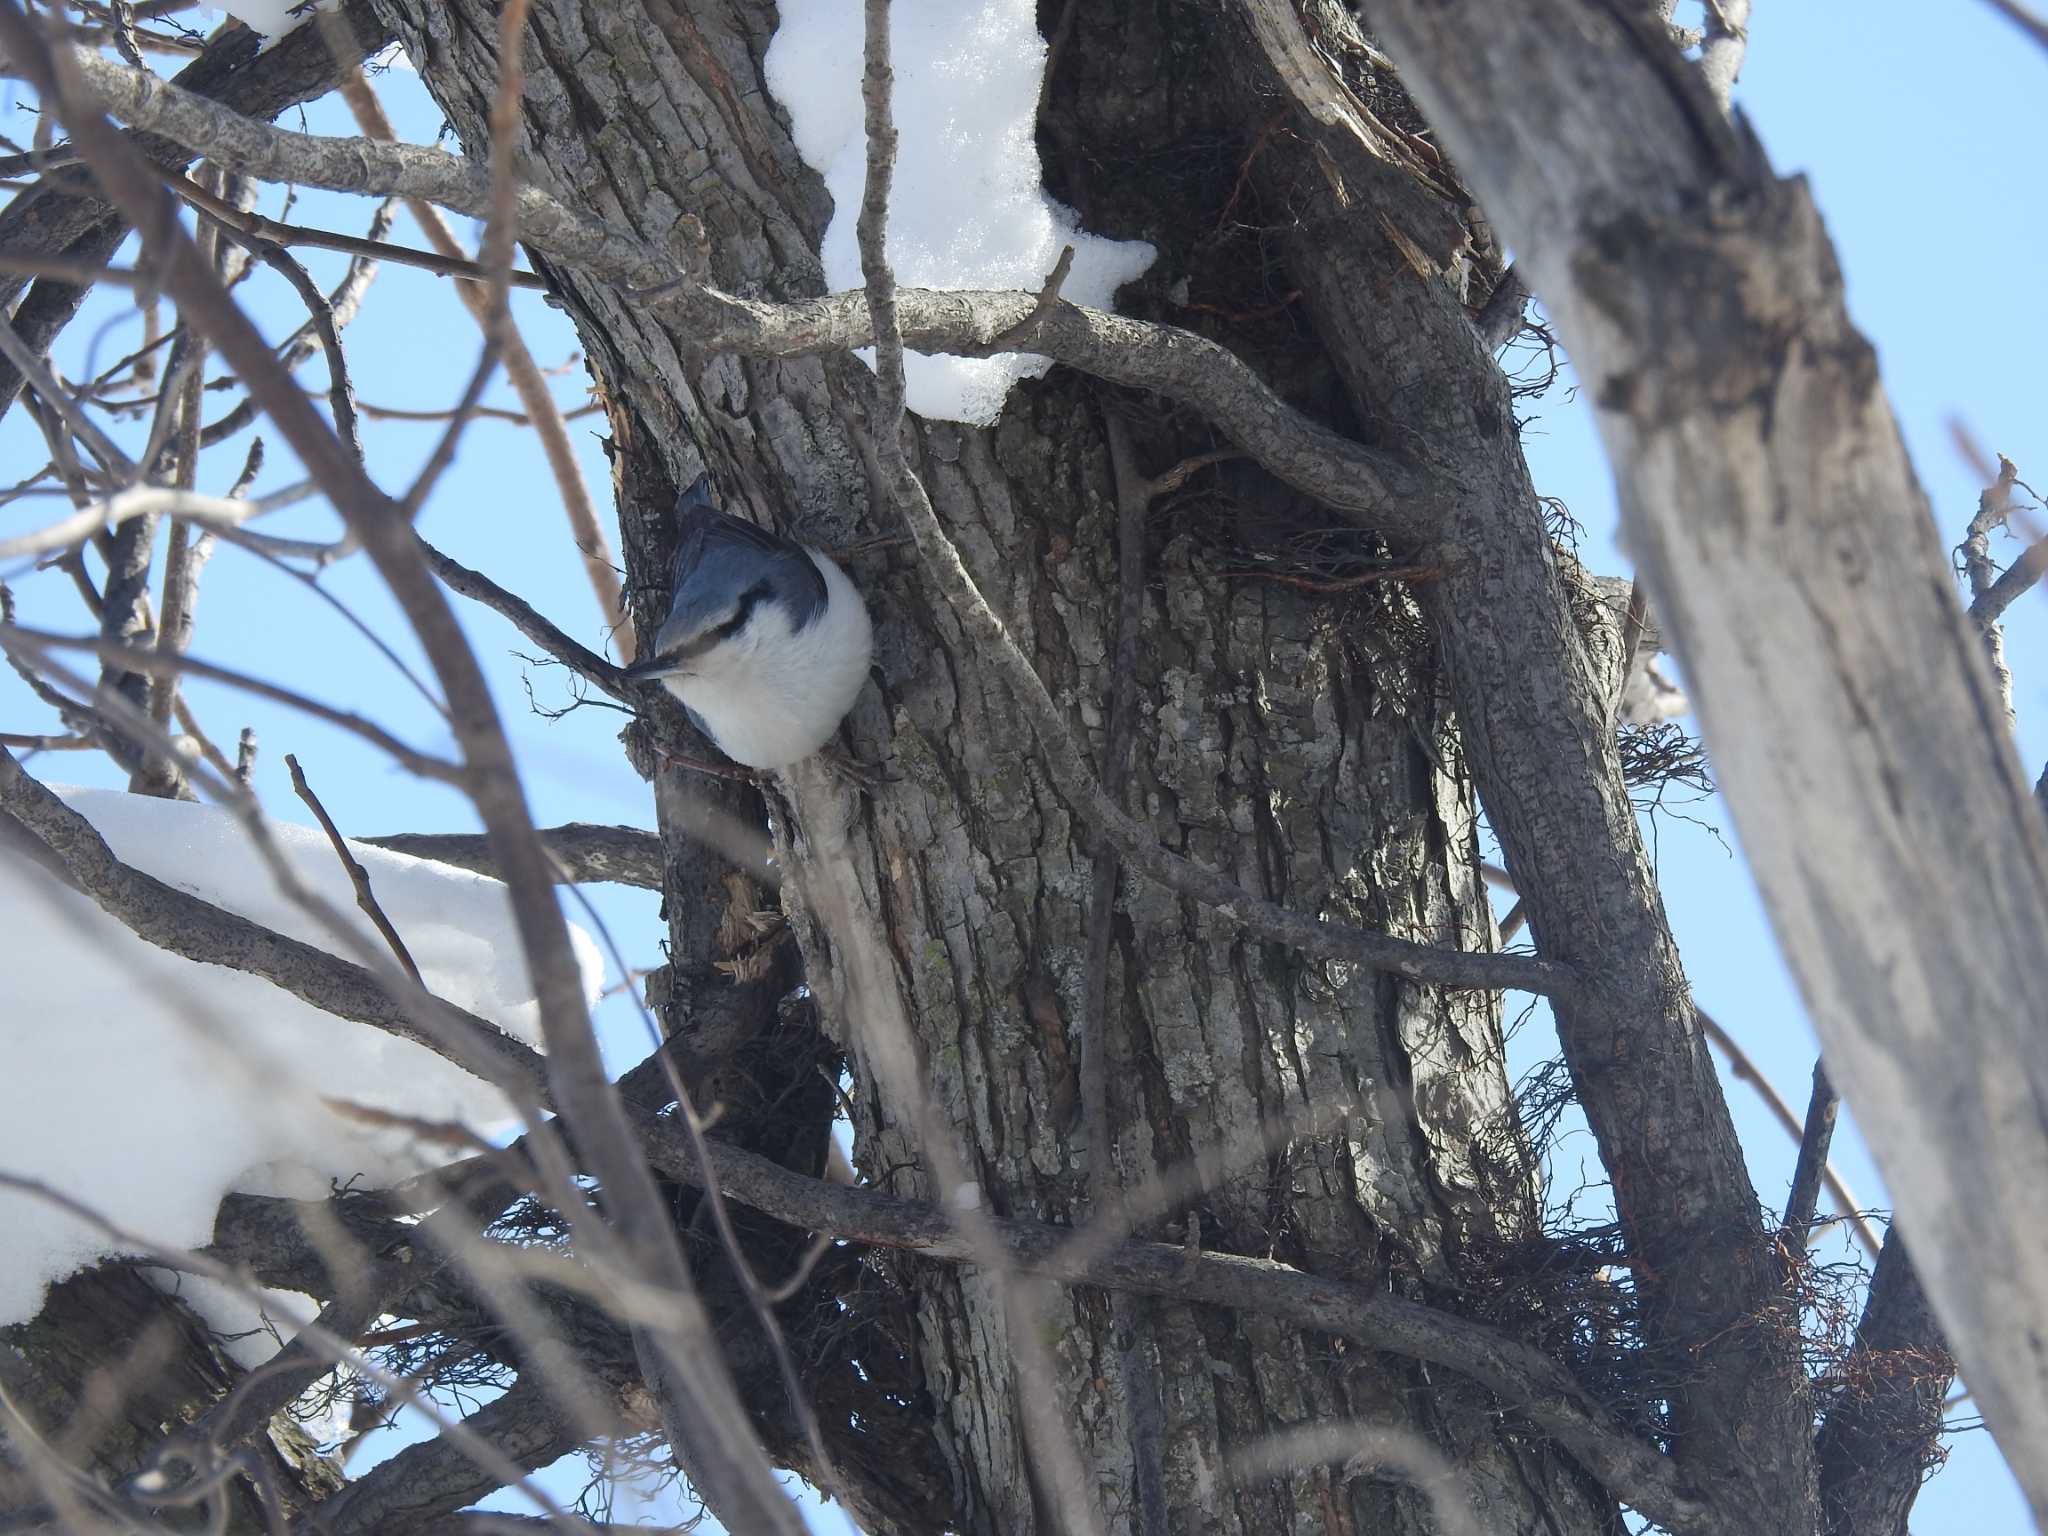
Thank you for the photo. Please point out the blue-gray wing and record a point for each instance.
(722, 559)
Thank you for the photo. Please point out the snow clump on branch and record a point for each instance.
(148, 1086)
(969, 207)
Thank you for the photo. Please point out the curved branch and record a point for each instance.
(1143, 355)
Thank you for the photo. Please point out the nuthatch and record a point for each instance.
(766, 642)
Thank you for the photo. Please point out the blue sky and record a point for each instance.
(1918, 137)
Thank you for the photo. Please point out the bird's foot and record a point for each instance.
(717, 770)
(865, 778)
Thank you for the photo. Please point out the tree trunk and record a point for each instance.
(1296, 739)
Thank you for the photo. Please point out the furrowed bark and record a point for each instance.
(1789, 550)
(1299, 777)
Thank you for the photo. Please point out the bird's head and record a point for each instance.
(738, 588)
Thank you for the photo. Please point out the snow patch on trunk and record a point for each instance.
(969, 207)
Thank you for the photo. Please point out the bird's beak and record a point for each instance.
(659, 667)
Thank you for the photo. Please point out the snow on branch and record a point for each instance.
(206, 1038)
(1170, 361)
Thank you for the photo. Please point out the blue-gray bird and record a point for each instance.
(766, 642)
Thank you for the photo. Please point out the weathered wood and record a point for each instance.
(1855, 727)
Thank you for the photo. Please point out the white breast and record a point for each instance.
(769, 697)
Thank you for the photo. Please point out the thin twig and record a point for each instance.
(1740, 1063)
(1994, 507)
(1048, 296)
(458, 423)
(275, 232)
(358, 876)
(1046, 1433)
(14, 637)
(1742, 1066)
(501, 229)
(36, 374)
(529, 380)
(340, 391)
(223, 514)
(581, 660)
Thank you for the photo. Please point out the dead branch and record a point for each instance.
(1813, 1158)
(531, 384)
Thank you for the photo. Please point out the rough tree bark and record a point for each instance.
(1304, 746)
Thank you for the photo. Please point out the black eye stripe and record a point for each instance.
(750, 599)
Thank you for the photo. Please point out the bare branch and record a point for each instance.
(36, 374)
(585, 663)
(624, 855)
(533, 392)
(219, 513)
(149, 661)
(1739, 1062)
(75, 225)
(1173, 362)
(2023, 573)
(706, 1423)
(371, 249)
